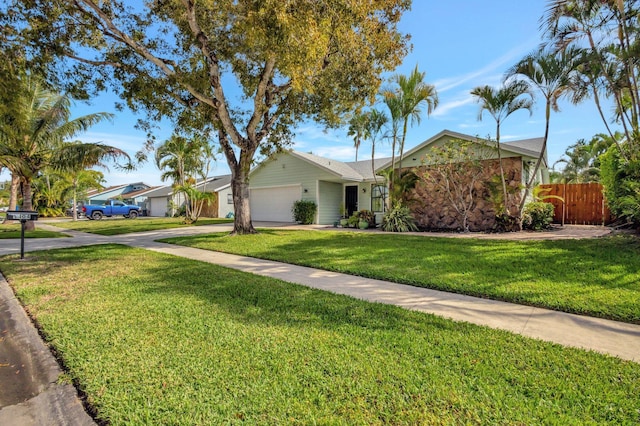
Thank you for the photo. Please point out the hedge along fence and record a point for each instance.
(584, 203)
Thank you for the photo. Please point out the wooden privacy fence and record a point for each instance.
(584, 203)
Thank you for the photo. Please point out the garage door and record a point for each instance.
(274, 204)
(158, 206)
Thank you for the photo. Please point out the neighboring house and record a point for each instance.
(163, 201)
(336, 186)
(112, 192)
(288, 176)
(139, 198)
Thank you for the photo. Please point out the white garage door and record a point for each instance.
(274, 204)
(158, 206)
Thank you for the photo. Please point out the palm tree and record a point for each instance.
(75, 184)
(578, 164)
(551, 73)
(374, 123)
(75, 158)
(33, 132)
(183, 161)
(412, 92)
(357, 129)
(501, 103)
(393, 103)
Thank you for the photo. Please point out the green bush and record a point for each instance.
(353, 220)
(304, 211)
(621, 180)
(399, 219)
(537, 216)
(368, 216)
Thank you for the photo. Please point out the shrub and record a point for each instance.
(621, 180)
(353, 220)
(537, 216)
(399, 219)
(368, 216)
(506, 223)
(304, 211)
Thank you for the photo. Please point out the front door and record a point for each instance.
(351, 199)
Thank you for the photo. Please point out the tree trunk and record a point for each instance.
(26, 203)
(13, 196)
(502, 179)
(240, 188)
(532, 179)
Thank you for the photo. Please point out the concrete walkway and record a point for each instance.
(608, 337)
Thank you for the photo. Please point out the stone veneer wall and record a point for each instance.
(432, 210)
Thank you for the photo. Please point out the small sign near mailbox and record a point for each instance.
(21, 215)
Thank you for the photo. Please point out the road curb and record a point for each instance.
(30, 393)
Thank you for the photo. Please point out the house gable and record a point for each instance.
(415, 156)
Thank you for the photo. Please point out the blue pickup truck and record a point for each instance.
(110, 208)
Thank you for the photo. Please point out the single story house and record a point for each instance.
(336, 187)
(340, 188)
(163, 201)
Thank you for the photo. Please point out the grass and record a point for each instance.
(596, 277)
(155, 339)
(118, 226)
(14, 231)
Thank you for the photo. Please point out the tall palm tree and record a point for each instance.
(551, 74)
(393, 103)
(183, 161)
(33, 132)
(501, 103)
(374, 123)
(412, 93)
(357, 129)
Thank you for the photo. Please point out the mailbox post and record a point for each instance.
(23, 216)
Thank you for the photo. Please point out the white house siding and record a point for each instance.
(331, 198)
(224, 207)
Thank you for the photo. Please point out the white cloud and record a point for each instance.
(487, 74)
(447, 107)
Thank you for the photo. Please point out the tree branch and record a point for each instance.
(111, 30)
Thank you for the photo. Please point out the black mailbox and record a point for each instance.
(21, 215)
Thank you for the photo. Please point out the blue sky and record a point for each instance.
(460, 44)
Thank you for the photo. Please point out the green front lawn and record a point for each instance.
(596, 277)
(14, 230)
(117, 226)
(155, 339)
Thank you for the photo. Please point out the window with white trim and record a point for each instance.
(379, 194)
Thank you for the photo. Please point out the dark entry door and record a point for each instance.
(351, 199)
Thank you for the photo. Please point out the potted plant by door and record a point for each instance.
(344, 221)
(366, 219)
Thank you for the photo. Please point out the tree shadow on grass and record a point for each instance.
(597, 277)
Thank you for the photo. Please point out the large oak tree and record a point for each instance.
(292, 60)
